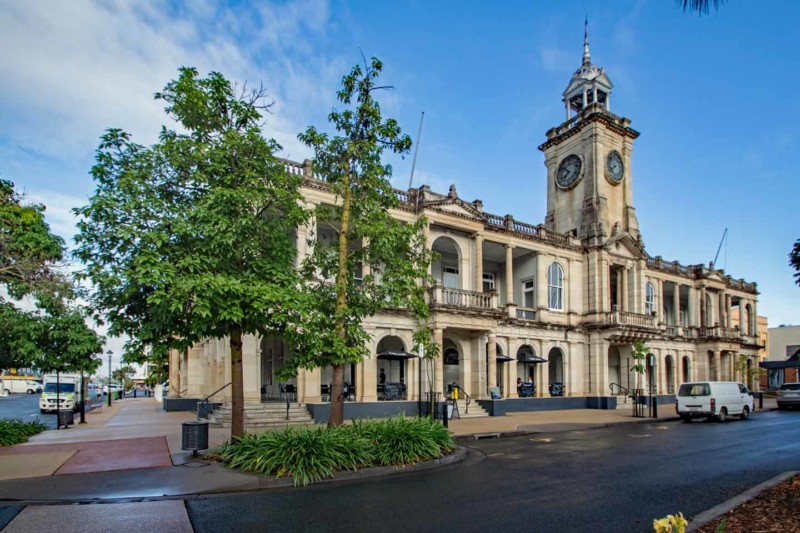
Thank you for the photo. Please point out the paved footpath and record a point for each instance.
(128, 458)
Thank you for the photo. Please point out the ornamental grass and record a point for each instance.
(309, 455)
(15, 431)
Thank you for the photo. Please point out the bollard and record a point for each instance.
(444, 415)
(760, 400)
(655, 407)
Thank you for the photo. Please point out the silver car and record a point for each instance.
(789, 395)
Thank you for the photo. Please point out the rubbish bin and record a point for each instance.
(195, 436)
(66, 418)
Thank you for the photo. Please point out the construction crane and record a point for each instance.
(724, 234)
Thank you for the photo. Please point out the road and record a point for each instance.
(26, 407)
(614, 479)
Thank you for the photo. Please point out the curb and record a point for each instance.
(715, 512)
(260, 482)
(522, 433)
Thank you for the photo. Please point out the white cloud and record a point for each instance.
(71, 69)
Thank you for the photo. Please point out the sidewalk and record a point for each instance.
(132, 451)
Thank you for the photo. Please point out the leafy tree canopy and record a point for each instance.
(375, 261)
(794, 260)
(192, 237)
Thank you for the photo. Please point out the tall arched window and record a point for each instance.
(555, 287)
(649, 299)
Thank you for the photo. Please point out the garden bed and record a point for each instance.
(310, 455)
(15, 431)
(775, 510)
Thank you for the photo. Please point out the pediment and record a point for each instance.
(456, 206)
(625, 245)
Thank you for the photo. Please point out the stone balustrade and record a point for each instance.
(624, 318)
(463, 298)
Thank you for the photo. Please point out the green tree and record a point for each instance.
(376, 261)
(794, 261)
(699, 6)
(639, 353)
(65, 343)
(192, 237)
(29, 252)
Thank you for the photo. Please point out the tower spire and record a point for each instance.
(587, 59)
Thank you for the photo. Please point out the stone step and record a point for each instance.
(265, 426)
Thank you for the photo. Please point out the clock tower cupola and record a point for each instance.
(589, 189)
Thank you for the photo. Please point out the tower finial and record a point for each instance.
(587, 59)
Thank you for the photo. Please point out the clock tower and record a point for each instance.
(589, 185)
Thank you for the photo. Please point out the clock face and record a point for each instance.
(615, 167)
(569, 172)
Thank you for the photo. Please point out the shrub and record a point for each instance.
(14, 431)
(309, 455)
(404, 441)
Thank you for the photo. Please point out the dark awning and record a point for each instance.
(396, 355)
(528, 357)
(504, 358)
(779, 364)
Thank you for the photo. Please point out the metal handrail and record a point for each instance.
(204, 401)
(467, 396)
(621, 388)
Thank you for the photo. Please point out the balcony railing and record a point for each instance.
(719, 332)
(461, 298)
(526, 314)
(624, 318)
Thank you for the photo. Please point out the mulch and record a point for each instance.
(775, 510)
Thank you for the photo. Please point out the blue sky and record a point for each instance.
(712, 96)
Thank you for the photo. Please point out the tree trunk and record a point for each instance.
(237, 383)
(336, 416)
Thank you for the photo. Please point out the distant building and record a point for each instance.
(784, 356)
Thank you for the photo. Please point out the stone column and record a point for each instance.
(438, 378)
(676, 305)
(367, 376)
(541, 282)
(660, 302)
(193, 372)
(704, 314)
(511, 387)
(426, 235)
(491, 358)
(478, 262)
(623, 297)
(509, 274)
(251, 372)
(312, 388)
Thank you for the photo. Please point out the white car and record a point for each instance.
(789, 395)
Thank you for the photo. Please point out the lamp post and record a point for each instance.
(108, 387)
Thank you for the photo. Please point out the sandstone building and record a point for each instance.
(557, 305)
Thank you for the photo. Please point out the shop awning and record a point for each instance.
(527, 357)
(503, 358)
(396, 355)
(773, 365)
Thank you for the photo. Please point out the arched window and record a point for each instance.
(555, 287)
(649, 299)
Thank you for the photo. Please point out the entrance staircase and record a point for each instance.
(475, 410)
(263, 416)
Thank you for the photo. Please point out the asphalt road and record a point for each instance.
(25, 407)
(614, 479)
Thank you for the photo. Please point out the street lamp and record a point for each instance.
(108, 387)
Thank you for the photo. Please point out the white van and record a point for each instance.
(713, 399)
(21, 386)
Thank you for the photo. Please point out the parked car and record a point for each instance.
(789, 395)
(713, 399)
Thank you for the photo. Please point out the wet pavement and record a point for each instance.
(130, 454)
